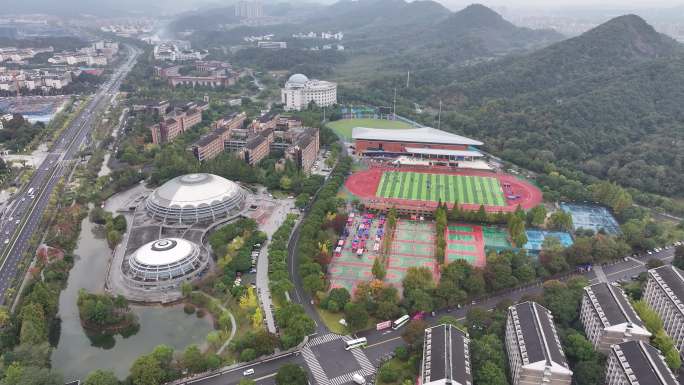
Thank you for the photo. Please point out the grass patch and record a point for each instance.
(343, 128)
(332, 320)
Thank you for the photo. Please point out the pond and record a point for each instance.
(77, 355)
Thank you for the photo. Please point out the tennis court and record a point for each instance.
(592, 217)
(496, 238)
(464, 189)
(465, 242)
(413, 246)
(535, 239)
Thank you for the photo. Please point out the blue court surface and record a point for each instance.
(591, 217)
(535, 239)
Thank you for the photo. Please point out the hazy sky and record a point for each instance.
(574, 3)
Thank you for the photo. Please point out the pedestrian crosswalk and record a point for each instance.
(324, 339)
(314, 366)
(346, 378)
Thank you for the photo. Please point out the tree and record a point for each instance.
(291, 374)
(193, 360)
(186, 288)
(588, 373)
(490, 374)
(414, 333)
(146, 371)
(679, 256)
(101, 377)
(33, 324)
(536, 216)
(378, 270)
(356, 316)
(561, 221)
(246, 381)
(654, 262)
(577, 347)
(340, 295)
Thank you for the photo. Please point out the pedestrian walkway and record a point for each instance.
(314, 366)
(600, 275)
(319, 374)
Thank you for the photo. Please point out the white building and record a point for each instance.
(299, 91)
(637, 363)
(609, 318)
(534, 350)
(665, 295)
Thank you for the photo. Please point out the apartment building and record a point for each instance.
(176, 121)
(304, 148)
(609, 318)
(213, 144)
(446, 357)
(637, 363)
(664, 294)
(534, 350)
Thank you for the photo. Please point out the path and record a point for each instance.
(233, 329)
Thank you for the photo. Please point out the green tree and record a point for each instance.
(414, 332)
(536, 216)
(356, 316)
(101, 377)
(678, 260)
(291, 374)
(588, 373)
(33, 324)
(186, 288)
(193, 359)
(490, 374)
(578, 348)
(378, 270)
(146, 371)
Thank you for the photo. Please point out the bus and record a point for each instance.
(400, 322)
(357, 343)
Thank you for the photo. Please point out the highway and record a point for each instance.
(382, 343)
(22, 216)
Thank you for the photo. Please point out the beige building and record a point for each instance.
(534, 350)
(664, 293)
(637, 363)
(299, 91)
(609, 318)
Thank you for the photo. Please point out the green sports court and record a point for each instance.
(464, 189)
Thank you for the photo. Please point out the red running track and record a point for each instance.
(365, 183)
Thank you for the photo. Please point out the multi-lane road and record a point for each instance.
(383, 343)
(23, 214)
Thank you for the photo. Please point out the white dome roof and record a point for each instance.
(195, 190)
(298, 79)
(164, 252)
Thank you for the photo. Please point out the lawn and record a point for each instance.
(343, 128)
(463, 189)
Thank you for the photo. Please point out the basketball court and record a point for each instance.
(466, 242)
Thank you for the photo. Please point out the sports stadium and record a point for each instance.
(415, 169)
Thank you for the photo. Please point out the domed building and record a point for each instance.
(194, 198)
(164, 263)
(299, 91)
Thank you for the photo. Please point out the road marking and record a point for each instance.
(636, 260)
(265, 377)
(382, 342)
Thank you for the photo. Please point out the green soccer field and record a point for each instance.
(343, 127)
(463, 189)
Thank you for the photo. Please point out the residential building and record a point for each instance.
(249, 9)
(258, 147)
(266, 121)
(664, 294)
(446, 357)
(272, 44)
(299, 91)
(211, 145)
(534, 350)
(637, 363)
(304, 148)
(609, 318)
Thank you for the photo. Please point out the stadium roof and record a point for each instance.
(195, 190)
(439, 151)
(163, 252)
(415, 135)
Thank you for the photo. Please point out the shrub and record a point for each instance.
(188, 308)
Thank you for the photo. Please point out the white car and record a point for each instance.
(248, 372)
(6, 241)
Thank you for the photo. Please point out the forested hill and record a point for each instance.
(607, 102)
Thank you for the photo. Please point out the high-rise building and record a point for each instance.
(249, 9)
(609, 318)
(534, 350)
(446, 357)
(664, 294)
(637, 363)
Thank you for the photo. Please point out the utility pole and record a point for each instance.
(439, 115)
(394, 106)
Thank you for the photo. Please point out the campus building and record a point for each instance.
(175, 120)
(534, 350)
(195, 198)
(664, 294)
(609, 318)
(207, 73)
(446, 357)
(163, 264)
(637, 363)
(211, 145)
(299, 91)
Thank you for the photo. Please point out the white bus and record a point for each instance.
(357, 343)
(400, 322)
(30, 191)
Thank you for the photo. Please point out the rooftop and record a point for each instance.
(674, 279)
(645, 363)
(539, 338)
(438, 151)
(194, 190)
(416, 135)
(610, 301)
(446, 356)
(163, 252)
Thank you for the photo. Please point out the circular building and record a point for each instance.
(195, 198)
(164, 263)
(297, 80)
